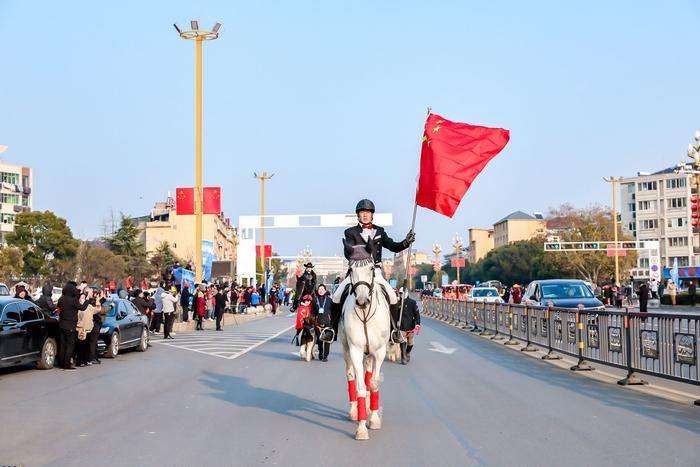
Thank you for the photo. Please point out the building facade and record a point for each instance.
(481, 241)
(164, 225)
(15, 195)
(656, 206)
(518, 226)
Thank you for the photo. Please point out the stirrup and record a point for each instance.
(327, 335)
(397, 337)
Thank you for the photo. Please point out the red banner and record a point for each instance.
(184, 201)
(268, 251)
(211, 203)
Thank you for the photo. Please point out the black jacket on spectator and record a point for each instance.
(69, 304)
(323, 301)
(219, 301)
(45, 302)
(185, 298)
(139, 303)
(410, 317)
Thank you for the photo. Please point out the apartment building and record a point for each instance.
(517, 226)
(481, 241)
(164, 225)
(655, 206)
(15, 195)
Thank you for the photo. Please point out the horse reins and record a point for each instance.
(365, 317)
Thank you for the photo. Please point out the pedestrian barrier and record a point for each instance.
(657, 344)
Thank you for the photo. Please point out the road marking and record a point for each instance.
(227, 345)
(438, 347)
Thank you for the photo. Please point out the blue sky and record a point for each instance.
(98, 98)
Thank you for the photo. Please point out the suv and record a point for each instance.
(562, 293)
(485, 294)
(27, 335)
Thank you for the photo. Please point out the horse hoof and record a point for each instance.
(362, 434)
(375, 423)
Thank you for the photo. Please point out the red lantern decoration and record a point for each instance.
(694, 207)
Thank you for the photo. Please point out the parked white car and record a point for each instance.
(485, 294)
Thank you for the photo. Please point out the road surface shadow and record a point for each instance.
(238, 391)
(675, 414)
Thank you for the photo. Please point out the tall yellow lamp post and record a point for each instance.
(198, 36)
(614, 182)
(262, 179)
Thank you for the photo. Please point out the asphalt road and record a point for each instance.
(209, 401)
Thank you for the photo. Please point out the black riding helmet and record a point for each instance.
(364, 205)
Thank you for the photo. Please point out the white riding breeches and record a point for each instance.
(378, 279)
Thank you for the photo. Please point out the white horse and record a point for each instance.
(364, 332)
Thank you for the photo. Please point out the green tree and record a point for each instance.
(11, 263)
(125, 240)
(581, 225)
(126, 243)
(163, 257)
(96, 264)
(45, 240)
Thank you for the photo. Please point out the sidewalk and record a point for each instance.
(229, 319)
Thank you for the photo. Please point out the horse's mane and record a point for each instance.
(359, 263)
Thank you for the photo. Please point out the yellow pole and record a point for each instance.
(198, 166)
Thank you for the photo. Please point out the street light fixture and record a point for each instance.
(198, 35)
(262, 179)
(457, 244)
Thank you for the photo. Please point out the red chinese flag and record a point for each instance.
(212, 200)
(452, 156)
(184, 201)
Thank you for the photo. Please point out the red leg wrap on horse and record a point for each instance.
(368, 377)
(352, 391)
(361, 409)
(374, 400)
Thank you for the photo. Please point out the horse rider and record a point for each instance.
(306, 284)
(409, 325)
(361, 235)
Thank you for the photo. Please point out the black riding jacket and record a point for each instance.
(353, 237)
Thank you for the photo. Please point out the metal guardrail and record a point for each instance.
(659, 344)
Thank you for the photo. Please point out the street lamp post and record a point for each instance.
(262, 179)
(458, 243)
(614, 182)
(437, 249)
(198, 36)
(693, 168)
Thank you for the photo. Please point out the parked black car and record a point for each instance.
(27, 334)
(124, 327)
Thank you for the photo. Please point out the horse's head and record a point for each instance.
(361, 263)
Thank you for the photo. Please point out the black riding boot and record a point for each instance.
(408, 352)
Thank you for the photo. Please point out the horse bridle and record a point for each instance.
(366, 315)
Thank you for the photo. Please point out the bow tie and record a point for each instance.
(367, 226)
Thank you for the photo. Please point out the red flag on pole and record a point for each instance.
(184, 201)
(452, 156)
(212, 200)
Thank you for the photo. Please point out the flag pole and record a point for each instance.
(408, 255)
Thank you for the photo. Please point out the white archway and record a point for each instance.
(248, 226)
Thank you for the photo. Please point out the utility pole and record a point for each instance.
(614, 182)
(262, 179)
(198, 36)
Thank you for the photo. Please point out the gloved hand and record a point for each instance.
(417, 328)
(410, 237)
